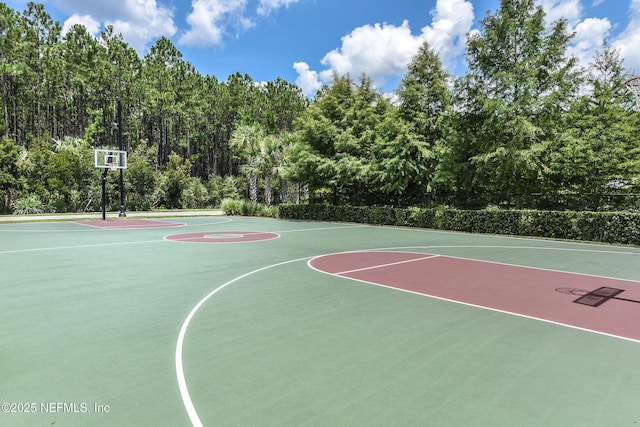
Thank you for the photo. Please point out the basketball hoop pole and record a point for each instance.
(122, 212)
(104, 194)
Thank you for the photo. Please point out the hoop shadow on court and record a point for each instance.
(596, 297)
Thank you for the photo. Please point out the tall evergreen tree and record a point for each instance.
(159, 74)
(40, 34)
(519, 82)
(11, 67)
(425, 100)
(597, 151)
(79, 70)
(353, 143)
(122, 82)
(337, 136)
(282, 104)
(8, 173)
(424, 93)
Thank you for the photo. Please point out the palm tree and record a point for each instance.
(287, 172)
(67, 143)
(269, 163)
(245, 140)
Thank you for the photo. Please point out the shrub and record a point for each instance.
(231, 206)
(221, 188)
(28, 205)
(173, 178)
(248, 209)
(606, 227)
(140, 179)
(268, 211)
(195, 194)
(139, 202)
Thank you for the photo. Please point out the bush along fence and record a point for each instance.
(606, 227)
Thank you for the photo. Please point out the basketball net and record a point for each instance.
(634, 86)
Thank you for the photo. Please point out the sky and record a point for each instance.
(306, 41)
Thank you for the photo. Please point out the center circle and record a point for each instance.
(223, 236)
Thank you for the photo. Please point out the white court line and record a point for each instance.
(86, 228)
(553, 322)
(221, 240)
(179, 356)
(182, 383)
(337, 227)
(546, 248)
(97, 245)
(177, 224)
(47, 231)
(520, 265)
(476, 305)
(386, 265)
(211, 223)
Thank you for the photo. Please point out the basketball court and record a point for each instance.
(220, 321)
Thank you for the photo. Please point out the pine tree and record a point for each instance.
(519, 82)
(597, 151)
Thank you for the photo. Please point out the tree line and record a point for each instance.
(524, 127)
(61, 92)
(524, 120)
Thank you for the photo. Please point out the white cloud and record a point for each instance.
(139, 21)
(99, 10)
(589, 35)
(267, 6)
(590, 32)
(307, 79)
(629, 40)
(210, 20)
(571, 10)
(452, 20)
(378, 50)
(138, 34)
(92, 26)
(383, 51)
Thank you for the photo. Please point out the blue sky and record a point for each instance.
(306, 41)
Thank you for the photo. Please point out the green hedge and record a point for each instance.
(606, 227)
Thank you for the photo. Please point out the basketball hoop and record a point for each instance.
(634, 86)
(107, 159)
(110, 159)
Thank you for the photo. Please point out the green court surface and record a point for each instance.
(123, 327)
